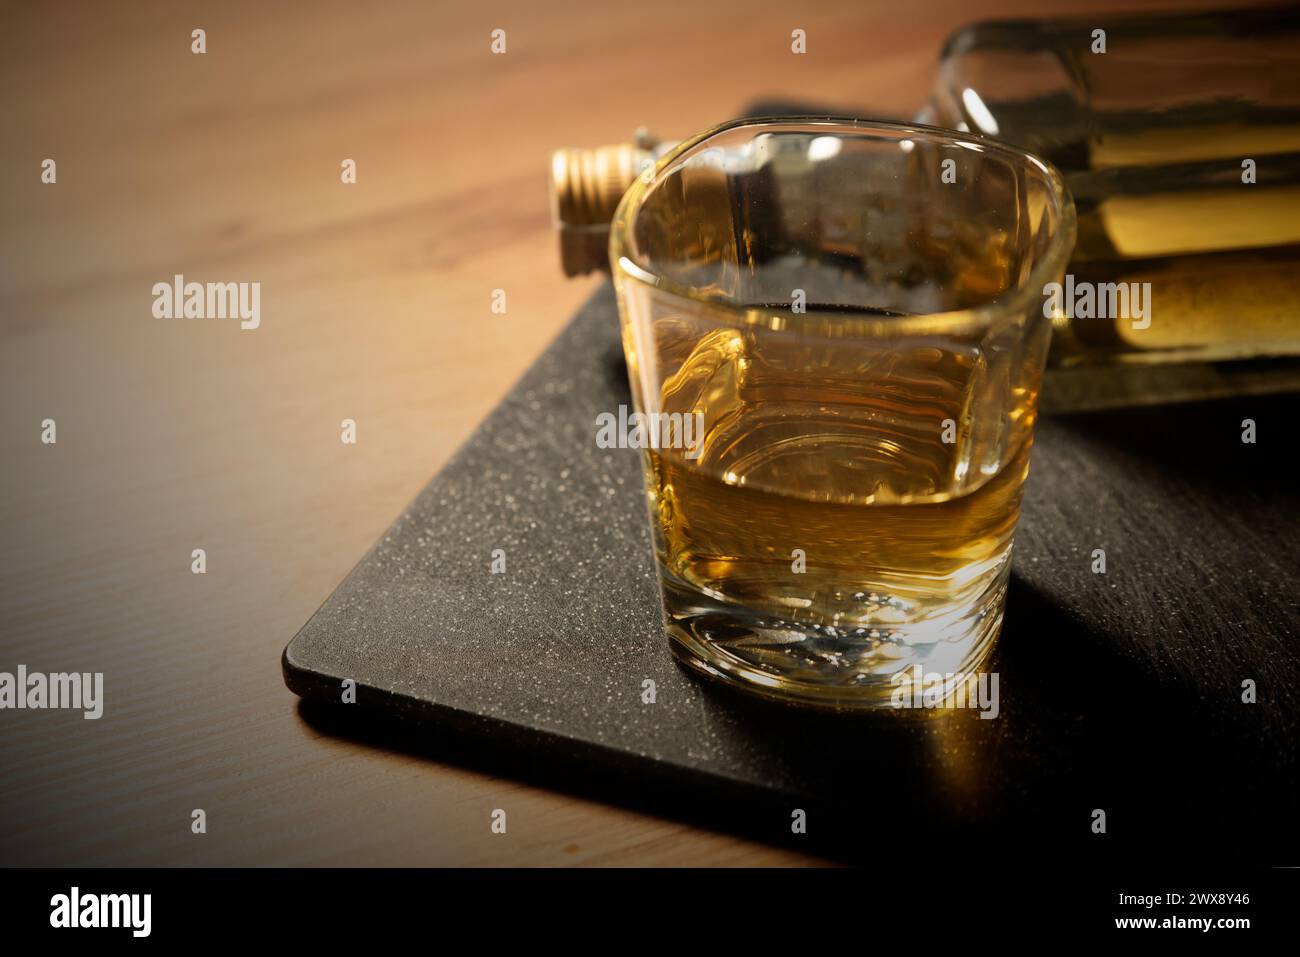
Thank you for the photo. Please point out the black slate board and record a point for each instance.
(1119, 691)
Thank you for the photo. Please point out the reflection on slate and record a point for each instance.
(1120, 691)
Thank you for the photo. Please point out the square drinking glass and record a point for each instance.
(851, 315)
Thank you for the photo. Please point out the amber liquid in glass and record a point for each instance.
(834, 527)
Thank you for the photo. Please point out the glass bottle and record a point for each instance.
(1179, 137)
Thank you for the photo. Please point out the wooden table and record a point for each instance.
(177, 435)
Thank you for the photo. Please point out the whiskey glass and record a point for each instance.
(853, 314)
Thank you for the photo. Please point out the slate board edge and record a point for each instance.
(308, 683)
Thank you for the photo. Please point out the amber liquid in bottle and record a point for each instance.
(1180, 140)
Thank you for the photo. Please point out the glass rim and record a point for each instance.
(978, 318)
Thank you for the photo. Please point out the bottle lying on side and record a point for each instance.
(1179, 137)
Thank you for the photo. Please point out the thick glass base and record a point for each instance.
(841, 667)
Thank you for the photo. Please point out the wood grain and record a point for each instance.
(179, 435)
